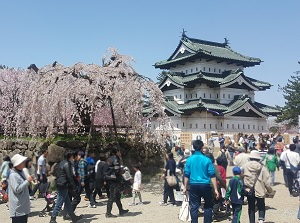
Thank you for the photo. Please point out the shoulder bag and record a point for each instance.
(171, 180)
(292, 167)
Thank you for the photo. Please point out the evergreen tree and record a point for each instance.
(291, 109)
(161, 76)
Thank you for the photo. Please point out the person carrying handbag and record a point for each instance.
(168, 190)
(257, 183)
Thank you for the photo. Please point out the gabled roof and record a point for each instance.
(197, 48)
(226, 79)
(240, 104)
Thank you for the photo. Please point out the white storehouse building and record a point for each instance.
(206, 90)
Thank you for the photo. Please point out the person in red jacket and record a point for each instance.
(221, 170)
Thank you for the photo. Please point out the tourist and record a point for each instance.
(90, 178)
(296, 142)
(257, 176)
(18, 196)
(279, 146)
(168, 190)
(99, 179)
(199, 173)
(271, 163)
(182, 161)
(113, 178)
(235, 192)
(41, 175)
(251, 141)
(82, 172)
(224, 156)
(137, 185)
(4, 167)
(291, 161)
(221, 140)
(241, 158)
(64, 183)
(211, 143)
(29, 171)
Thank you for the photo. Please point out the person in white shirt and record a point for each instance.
(137, 184)
(291, 160)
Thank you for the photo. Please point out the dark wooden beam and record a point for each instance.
(220, 61)
(208, 60)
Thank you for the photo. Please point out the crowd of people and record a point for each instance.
(78, 173)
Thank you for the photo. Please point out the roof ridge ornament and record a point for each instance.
(226, 41)
(183, 35)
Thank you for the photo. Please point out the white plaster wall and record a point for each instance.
(232, 92)
(178, 95)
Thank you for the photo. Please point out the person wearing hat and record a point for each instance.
(253, 170)
(18, 196)
(235, 192)
(241, 158)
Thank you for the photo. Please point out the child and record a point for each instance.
(137, 183)
(236, 194)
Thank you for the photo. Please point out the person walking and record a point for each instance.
(18, 196)
(198, 174)
(168, 190)
(137, 185)
(113, 177)
(64, 183)
(41, 175)
(291, 161)
(272, 163)
(221, 140)
(256, 177)
(241, 158)
(4, 167)
(235, 192)
(99, 179)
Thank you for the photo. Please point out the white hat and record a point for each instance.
(18, 159)
(187, 152)
(254, 154)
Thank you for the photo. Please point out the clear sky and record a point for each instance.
(66, 31)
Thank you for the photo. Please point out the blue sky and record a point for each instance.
(42, 32)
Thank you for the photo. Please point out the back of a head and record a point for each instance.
(81, 154)
(6, 158)
(211, 157)
(295, 140)
(170, 156)
(219, 160)
(102, 156)
(197, 145)
(68, 154)
(292, 147)
(114, 150)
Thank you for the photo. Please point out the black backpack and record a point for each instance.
(224, 159)
(90, 170)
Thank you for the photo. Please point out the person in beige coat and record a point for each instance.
(250, 171)
(242, 158)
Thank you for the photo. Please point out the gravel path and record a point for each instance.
(281, 209)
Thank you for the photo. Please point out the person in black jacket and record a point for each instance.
(64, 182)
(99, 179)
(113, 177)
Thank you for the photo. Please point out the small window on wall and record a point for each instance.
(196, 126)
(223, 95)
(217, 95)
(243, 126)
(204, 95)
(204, 126)
(191, 95)
(219, 70)
(209, 69)
(216, 126)
(183, 124)
(191, 70)
(258, 127)
(180, 96)
(253, 126)
(209, 126)
(186, 71)
(232, 126)
(196, 96)
(215, 70)
(228, 96)
(191, 126)
(221, 124)
(196, 68)
(227, 126)
(209, 95)
(186, 96)
(262, 128)
(177, 126)
(248, 126)
(238, 126)
(203, 68)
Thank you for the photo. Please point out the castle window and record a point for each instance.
(182, 124)
(248, 126)
(215, 70)
(253, 126)
(258, 127)
(196, 126)
(232, 126)
(186, 96)
(180, 96)
(262, 128)
(216, 126)
(177, 126)
(204, 126)
(209, 69)
(191, 126)
(228, 96)
(219, 70)
(154, 126)
(221, 124)
(217, 95)
(196, 68)
(196, 96)
(227, 126)
(209, 95)
(204, 95)
(191, 95)
(209, 126)
(186, 71)
(192, 70)
(223, 95)
(203, 68)
(243, 126)
(238, 126)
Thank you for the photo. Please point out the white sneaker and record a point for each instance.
(140, 203)
(131, 204)
(163, 203)
(92, 206)
(31, 197)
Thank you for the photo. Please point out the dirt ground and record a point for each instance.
(281, 209)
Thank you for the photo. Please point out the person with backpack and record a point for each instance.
(4, 167)
(90, 178)
(224, 157)
(99, 178)
(272, 163)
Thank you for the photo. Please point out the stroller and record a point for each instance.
(50, 203)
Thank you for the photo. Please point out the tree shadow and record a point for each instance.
(37, 213)
(270, 208)
(277, 183)
(146, 202)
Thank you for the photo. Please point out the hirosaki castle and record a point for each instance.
(206, 89)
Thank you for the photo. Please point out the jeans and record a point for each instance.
(290, 179)
(168, 192)
(38, 185)
(63, 197)
(272, 174)
(197, 192)
(237, 211)
(260, 202)
(20, 219)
